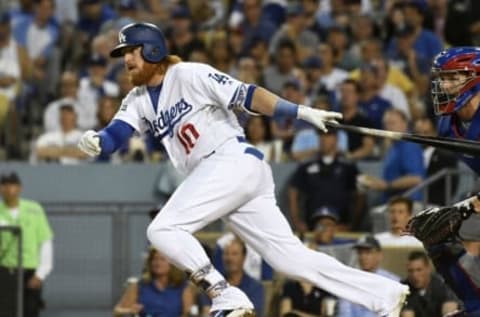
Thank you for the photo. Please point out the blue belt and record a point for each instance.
(250, 150)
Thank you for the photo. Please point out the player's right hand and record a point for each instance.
(90, 143)
(317, 117)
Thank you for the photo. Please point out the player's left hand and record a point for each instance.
(34, 282)
(90, 143)
(317, 117)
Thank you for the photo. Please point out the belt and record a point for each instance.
(250, 150)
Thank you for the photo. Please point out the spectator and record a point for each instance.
(400, 210)
(363, 28)
(336, 178)
(403, 162)
(326, 226)
(312, 67)
(294, 29)
(406, 58)
(372, 51)
(93, 14)
(369, 253)
(181, 33)
(162, 290)
(303, 299)
(220, 52)
(310, 8)
(337, 38)
(259, 51)
(284, 68)
(235, 39)
(37, 256)
(199, 55)
(436, 160)
(12, 57)
(426, 43)
(372, 105)
(234, 255)
(248, 70)
(69, 85)
(39, 33)
(254, 25)
(107, 107)
(389, 91)
(429, 295)
(61, 145)
(253, 265)
(359, 146)
(93, 87)
(332, 76)
(14, 65)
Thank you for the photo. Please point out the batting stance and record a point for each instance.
(189, 108)
(456, 97)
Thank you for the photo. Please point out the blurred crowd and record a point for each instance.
(363, 58)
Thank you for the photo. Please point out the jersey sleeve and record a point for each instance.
(129, 111)
(221, 88)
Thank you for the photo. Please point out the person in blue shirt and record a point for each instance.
(254, 265)
(163, 291)
(369, 253)
(403, 166)
(234, 254)
(426, 42)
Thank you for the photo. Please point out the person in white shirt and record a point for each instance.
(370, 256)
(60, 145)
(93, 87)
(400, 209)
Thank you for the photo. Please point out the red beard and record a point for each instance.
(142, 77)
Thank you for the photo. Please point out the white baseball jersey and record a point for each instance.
(194, 114)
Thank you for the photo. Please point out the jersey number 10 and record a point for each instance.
(188, 135)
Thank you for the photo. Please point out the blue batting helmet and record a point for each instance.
(146, 35)
(460, 66)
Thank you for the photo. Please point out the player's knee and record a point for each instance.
(154, 229)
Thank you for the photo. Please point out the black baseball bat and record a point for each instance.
(468, 147)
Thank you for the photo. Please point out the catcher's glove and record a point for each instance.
(439, 224)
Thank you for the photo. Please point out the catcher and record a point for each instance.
(456, 259)
(451, 235)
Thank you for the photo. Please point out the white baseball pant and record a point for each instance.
(239, 188)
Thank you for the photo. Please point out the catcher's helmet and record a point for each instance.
(449, 62)
(146, 35)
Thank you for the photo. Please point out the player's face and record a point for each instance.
(452, 82)
(369, 259)
(139, 71)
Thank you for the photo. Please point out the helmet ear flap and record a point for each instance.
(152, 54)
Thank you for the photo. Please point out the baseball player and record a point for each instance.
(456, 98)
(189, 107)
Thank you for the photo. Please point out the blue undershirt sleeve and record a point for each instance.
(114, 136)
